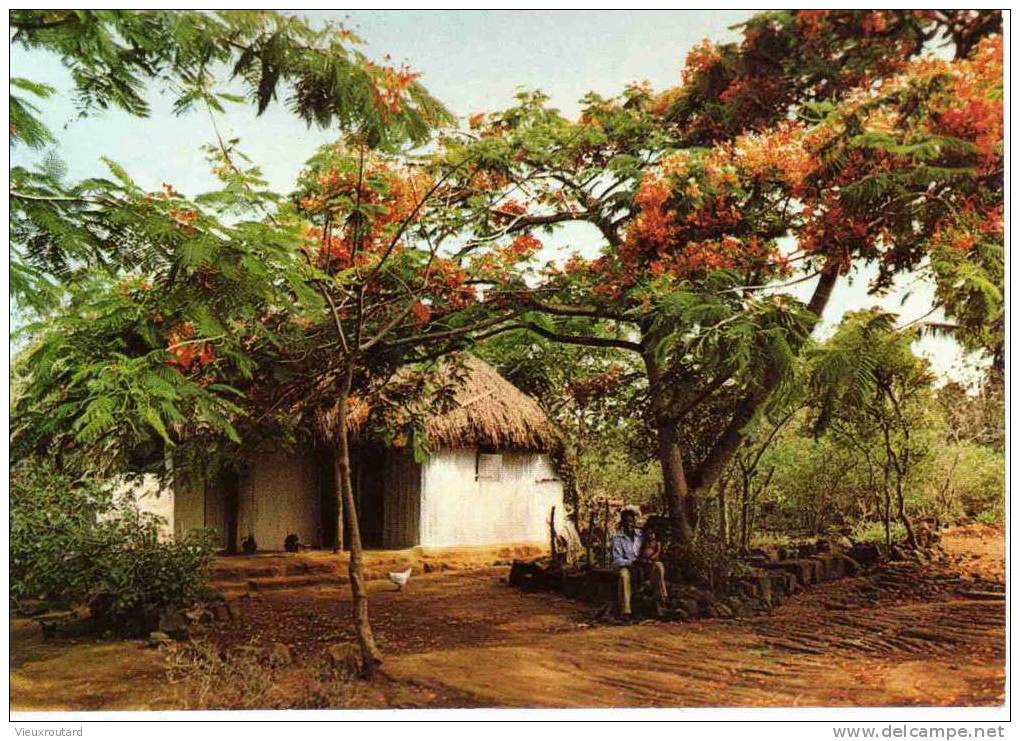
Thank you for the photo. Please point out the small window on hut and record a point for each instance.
(489, 467)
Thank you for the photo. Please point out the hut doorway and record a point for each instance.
(368, 482)
(369, 491)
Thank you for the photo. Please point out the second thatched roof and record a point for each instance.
(485, 411)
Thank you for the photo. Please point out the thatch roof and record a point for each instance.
(491, 411)
(482, 409)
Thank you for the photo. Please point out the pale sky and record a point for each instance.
(470, 60)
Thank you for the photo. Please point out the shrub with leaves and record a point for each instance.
(74, 541)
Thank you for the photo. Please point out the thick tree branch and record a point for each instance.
(575, 339)
(727, 444)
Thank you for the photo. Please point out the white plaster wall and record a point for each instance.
(198, 506)
(149, 497)
(457, 510)
(280, 496)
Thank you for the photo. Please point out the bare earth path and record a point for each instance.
(465, 639)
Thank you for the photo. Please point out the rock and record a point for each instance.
(819, 570)
(781, 582)
(158, 638)
(866, 554)
(689, 606)
(898, 553)
(175, 624)
(802, 569)
(723, 610)
(677, 615)
(32, 607)
(762, 554)
(762, 584)
(843, 543)
(212, 595)
(344, 657)
(850, 566)
(279, 654)
(834, 565)
(750, 608)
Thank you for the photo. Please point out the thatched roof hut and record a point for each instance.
(479, 409)
(487, 473)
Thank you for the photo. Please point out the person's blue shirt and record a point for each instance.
(625, 549)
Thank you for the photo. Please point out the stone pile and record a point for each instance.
(765, 579)
(183, 624)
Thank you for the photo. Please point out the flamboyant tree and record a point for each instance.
(191, 325)
(838, 129)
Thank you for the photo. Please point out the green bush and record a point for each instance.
(979, 479)
(873, 531)
(990, 517)
(73, 542)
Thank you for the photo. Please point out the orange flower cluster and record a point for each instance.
(812, 22)
(665, 100)
(391, 88)
(830, 230)
(184, 354)
(392, 196)
(702, 239)
(655, 227)
(973, 109)
(778, 152)
(964, 230)
(421, 313)
(511, 207)
(874, 23)
(447, 282)
(185, 219)
(525, 245)
(700, 58)
(728, 253)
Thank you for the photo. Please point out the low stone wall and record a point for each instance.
(769, 578)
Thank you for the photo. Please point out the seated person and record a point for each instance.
(636, 560)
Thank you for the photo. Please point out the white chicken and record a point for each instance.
(400, 578)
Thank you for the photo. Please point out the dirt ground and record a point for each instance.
(906, 636)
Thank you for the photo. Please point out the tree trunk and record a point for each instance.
(886, 512)
(901, 511)
(370, 655)
(745, 515)
(674, 483)
(724, 523)
(674, 478)
(338, 488)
